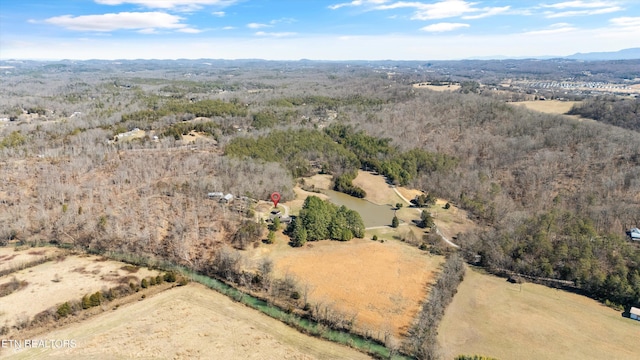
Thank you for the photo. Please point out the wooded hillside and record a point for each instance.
(554, 194)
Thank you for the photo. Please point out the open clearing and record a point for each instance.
(188, 322)
(57, 281)
(383, 283)
(492, 317)
(377, 189)
(548, 106)
(453, 87)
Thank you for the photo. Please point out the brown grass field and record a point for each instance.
(12, 259)
(548, 106)
(377, 189)
(383, 283)
(188, 322)
(436, 88)
(492, 317)
(57, 281)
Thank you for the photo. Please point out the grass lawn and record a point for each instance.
(491, 317)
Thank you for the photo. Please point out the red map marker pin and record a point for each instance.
(275, 197)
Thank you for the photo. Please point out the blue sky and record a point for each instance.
(313, 29)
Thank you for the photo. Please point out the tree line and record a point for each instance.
(422, 337)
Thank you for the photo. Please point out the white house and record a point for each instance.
(215, 195)
(634, 313)
(634, 234)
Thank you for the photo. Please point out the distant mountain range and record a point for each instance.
(625, 54)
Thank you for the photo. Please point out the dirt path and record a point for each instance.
(189, 322)
(451, 243)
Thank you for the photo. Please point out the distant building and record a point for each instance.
(227, 199)
(634, 234)
(215, 195)
(634, 313)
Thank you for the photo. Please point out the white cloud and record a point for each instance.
(581, 8)
(356, 3)
(218, 13)
(553, 29)
(229, 28)
(275, 34)
(607, 10)
(488, 12)
(444, 26)
(283, 21)
(185, 5)
(145, 21)
(580, 4)
(189, 30)
(257, 25)
(444, 9)
(626, 21)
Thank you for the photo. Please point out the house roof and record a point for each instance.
(634, 311)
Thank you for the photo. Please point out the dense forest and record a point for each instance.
(624, 113)
(553, 195)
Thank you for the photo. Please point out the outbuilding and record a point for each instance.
(634, 313)
(227, 199)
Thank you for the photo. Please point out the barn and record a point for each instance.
(634, 313)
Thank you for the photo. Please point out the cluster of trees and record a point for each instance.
(624, 113)
(294, 149)
(343, 183)
(177, 130)
(422, 337)
(326, 101)
(423, 200)
(269, 118)
(247, 233)
(378, 154)
(320, 220)
(184, 87)
(426, 220)
(202, 108)
(340, 150)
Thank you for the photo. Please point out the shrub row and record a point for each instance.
(74, 307)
